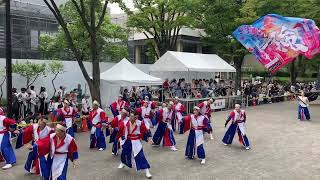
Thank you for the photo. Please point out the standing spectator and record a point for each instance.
(166, 84)
(79, 93)
(61, 92)
(15, 104)
(43, 96)
(22, 99)
(33, 100)
(85, 105)
(125, 95)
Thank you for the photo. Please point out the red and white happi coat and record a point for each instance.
(97, 118)
(119, 105)
(59, 153)
(166, 117)
(239, 118)
(146, 115)
(4, 127)
(68, 114)
(196, 123)
(205, 109)
(33, 132)
(151, 104)
(178, 109)
(133, 133)
(116, 121)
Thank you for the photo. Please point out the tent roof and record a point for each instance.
(182, 61)
(126, 74)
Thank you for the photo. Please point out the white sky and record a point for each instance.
(115, 9)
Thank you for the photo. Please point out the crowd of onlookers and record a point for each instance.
(28, 103)
(204, 88)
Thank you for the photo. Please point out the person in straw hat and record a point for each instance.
(31, 134)
(59, 147)
(98, 120)
(69, 113)
(196, 123)
(6, 151)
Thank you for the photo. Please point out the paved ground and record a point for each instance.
(282, 148)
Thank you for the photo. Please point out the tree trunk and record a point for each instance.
(95, 86)
(54, 87)
(238, 65)
(8, 59)
(293, 72)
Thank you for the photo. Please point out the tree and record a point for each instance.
(3, 76)
(30, 71)
(160, 21)
(55, 68)
(86, 32)
(219, 18)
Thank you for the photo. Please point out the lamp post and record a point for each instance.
(8, 59)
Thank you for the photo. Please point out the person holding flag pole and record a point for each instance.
(303, 111)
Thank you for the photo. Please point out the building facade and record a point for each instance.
(28, 21)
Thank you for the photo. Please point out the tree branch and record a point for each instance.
(54, 9)
(82, 15)
(101, 19)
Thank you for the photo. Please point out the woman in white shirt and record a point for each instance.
(303, 111)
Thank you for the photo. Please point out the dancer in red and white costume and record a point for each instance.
(117, 106)
(33, 133)
(98, 119)
(130, 135)
(6, 151)
(69, 114)
(178, 109)
(60, 147)
(205, 110)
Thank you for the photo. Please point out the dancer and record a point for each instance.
(164, 130)
(6, 151)
(130, 135)
(118, 105)
(178, 109)
(303, 111)
(205, 110)
(196, 123)
(69, 114)
(60, 147)
(33, 133)
(115, 129)
(238, 119)
(98, 120)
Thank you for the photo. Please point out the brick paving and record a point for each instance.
(282, 148)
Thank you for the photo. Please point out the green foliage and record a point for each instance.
(111, 39)
(56, 67)
(161, 21)
(2, 71)
(30, 71)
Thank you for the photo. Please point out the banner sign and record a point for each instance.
(219, 104)
(276, 40)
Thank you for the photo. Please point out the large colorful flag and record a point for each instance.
(276, 40)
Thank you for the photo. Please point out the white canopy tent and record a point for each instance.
(186, 65)
(123, 74)
(194, 62)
